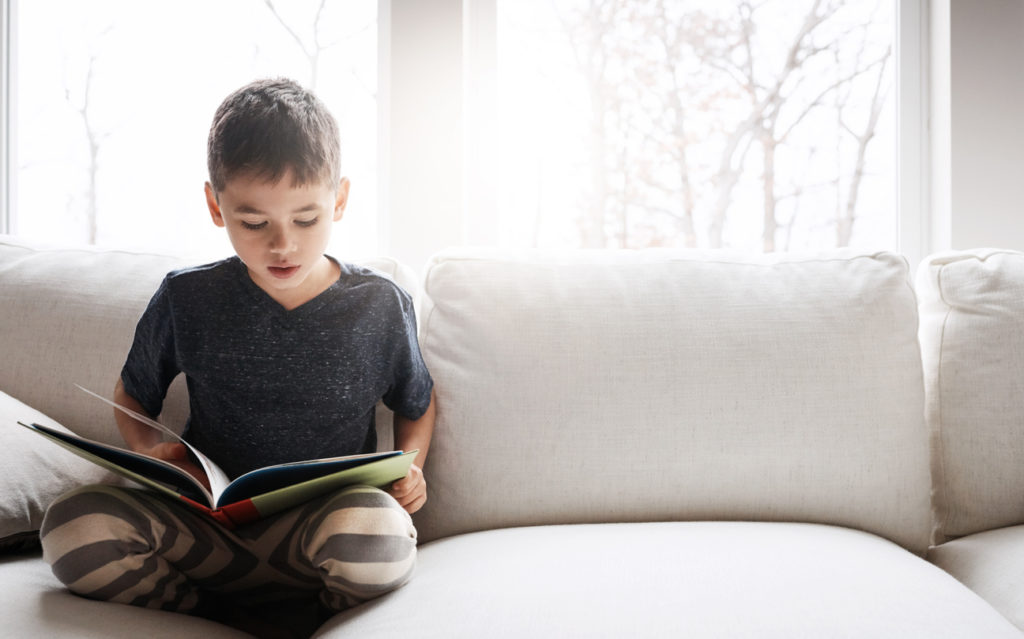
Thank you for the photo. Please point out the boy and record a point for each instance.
(286, 352)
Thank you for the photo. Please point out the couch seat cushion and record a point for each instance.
(697, 579)
(35, 604)
(991, 564)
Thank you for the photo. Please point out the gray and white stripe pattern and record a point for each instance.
(134, 547)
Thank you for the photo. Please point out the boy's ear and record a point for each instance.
(211, 203)
(342, 200)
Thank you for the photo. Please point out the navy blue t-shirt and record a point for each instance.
(268, 385)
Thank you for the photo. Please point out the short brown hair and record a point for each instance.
(269, 126)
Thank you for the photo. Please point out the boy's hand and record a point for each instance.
(177, 454)
(411, 490)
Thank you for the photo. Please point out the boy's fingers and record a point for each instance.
(401, 488)
(168, 451)
(405, 499)
(406, 489)
(409, 482)
(196, 472)
(415, 504)
(410, 491)
(200, 474)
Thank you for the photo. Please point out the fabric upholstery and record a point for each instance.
(648, 386)
(972, 341)
(691, 579)
(67, 317)
(601, 387)
(991, 564)
(35, 472)
(35, 604)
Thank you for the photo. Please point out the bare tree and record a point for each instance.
(770, 139)
(863, 137)
(693, 34)
(590, 32)
(766, 102)
(313, 50)
(94, 139)
(756, 104)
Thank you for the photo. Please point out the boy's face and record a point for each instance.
(280, 232)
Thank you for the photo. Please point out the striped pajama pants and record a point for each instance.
(132, 546)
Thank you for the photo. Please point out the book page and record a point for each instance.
(217, 477)
(143, 469)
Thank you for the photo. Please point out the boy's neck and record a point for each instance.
(323, 275)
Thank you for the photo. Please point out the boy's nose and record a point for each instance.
(282, 242)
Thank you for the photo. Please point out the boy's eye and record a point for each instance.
(307, 223)
(253, 227)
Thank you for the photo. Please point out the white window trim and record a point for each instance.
(480, 106)
(8, 148)
(919, 231)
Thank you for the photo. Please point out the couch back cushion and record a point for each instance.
(634, 386)
(972, 342)
(68, 315)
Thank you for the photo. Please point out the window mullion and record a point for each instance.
(917, 219)
(8, 13)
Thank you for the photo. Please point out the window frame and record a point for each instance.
(918, 232)
(8, 148)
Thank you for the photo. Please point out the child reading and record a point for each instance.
(286, 352)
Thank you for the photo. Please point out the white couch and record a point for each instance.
(629, 444)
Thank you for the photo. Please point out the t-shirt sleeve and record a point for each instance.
(411, 384)
(151, 365)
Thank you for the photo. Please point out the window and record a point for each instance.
(766, 126)
(115, 99)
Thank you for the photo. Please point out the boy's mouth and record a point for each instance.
(283, 272)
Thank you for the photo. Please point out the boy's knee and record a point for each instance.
(360, 510)
(92, 508)
(100, 542)
(362, 542)
(90, 526)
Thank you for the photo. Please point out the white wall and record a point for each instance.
(983, 173)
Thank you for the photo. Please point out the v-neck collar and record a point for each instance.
(270, 305)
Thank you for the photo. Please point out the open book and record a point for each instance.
(254, 495)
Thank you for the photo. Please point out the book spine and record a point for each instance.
(239, 513)
(219, 515)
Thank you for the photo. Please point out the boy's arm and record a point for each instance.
(149, 441)
(412, 434)
(137, 435)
